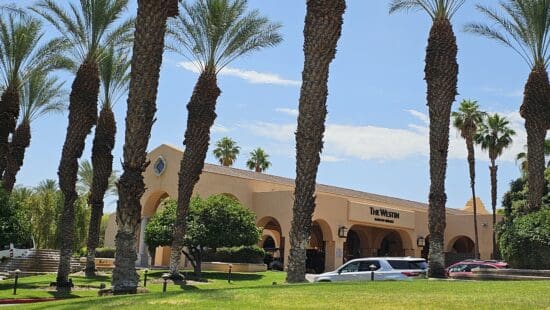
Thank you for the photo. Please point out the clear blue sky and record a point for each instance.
(376, 138)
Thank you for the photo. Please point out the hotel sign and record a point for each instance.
(359, 212)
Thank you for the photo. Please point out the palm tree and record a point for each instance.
(142, 95)
(494, 135)
(322, 30)
(48, 185)
(522, 158)
(467, 120)
(441, 75)
(41, 95)
(86, 177)
(258, 161)
(212, 33)
(523, 25)
(87, 28)
(22, 51)
(114, 76)
(226, 151)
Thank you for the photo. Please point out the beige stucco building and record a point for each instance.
(347, 223)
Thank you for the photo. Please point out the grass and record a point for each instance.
(255, 291)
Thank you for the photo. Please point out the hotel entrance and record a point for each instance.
(368, 241)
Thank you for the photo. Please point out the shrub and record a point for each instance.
(105, 253)
(242, 254)
(525, 241)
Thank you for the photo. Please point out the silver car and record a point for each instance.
(377, 269)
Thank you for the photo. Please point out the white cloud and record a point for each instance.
(291, 112)
(218, 128)
(250, 76)
(380, 143)
(331, 159)
(503, 92)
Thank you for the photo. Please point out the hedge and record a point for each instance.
(99, 252)
(242, 254)
(525, 241)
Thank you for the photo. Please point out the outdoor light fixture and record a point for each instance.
(372, 269)
(145, 277)
(165, 277)
(229, 274)
(484, 224)
(17, 272)
(421, 242)
(342, 231)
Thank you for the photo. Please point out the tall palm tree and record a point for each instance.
(258, 161)
(524, 26)
(226, 151)
(211, 33)
(147, 52)
(88, 27)
(494, 135)
(521, 158)
(22, 51)
(114, 76)
(441, 75)
(86, 179)
(467, 120)
(41, 95)
(322, 30)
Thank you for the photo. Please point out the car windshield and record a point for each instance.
(408, 264)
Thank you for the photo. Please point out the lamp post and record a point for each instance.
(145, 277)
(17, 272)
(165, 277)
(372, 269)
(229, 274)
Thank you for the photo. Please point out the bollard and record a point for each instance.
(145, 277)
(17, 272)
(229, 274)
(372, 269)
(165, 277)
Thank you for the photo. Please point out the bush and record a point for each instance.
(105, 253)
(525, 241)
(242, 254)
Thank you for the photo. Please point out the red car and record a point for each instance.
(464, 268)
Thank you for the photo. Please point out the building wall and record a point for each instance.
(273, 201)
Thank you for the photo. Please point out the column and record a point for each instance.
(143, 257)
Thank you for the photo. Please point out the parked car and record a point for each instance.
(464, 268)
(15, 250)
(384, 268)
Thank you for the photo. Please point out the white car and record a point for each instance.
(377, 268)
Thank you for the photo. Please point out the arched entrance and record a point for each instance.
(391, 245)
(459, 248)
(426, 249)
(317, 248)
(272, 242)
(352, 246)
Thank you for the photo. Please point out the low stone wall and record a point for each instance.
(507, 274)
(101, 263)
(235, 267)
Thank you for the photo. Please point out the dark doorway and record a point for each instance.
(391, 245)
(352, 246)
(315, 254)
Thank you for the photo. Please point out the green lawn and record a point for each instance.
(255, 291)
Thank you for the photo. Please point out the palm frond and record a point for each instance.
(213, 33)
(114, 72)
(437, 9)
(42, 94)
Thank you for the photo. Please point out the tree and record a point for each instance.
(150, 27)
(86, 28)
(212, 33)
(13, 226)
(322, 30)
(41, 95)
(523, 25)
(258, 161)
(494, 135)
(226, 151)
(114, 76)
(212, 223)
(522, 158)
(22, 51)
(441, 75)
(467, 120)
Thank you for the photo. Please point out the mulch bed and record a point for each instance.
(15, 301)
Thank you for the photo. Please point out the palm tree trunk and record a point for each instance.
(441, 74)
(472, 168)
(9, 112)
(146, 62)
(200, 117)
(21, 140)
(102, 163)
(493, 169)
(82, 117)
(322, 29)
(536, 111)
